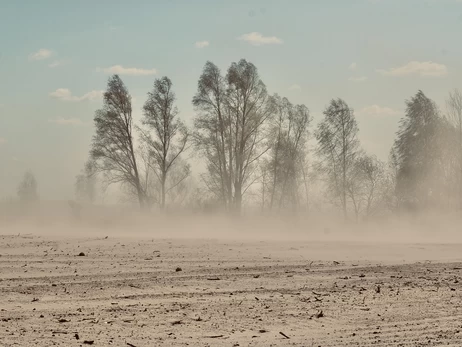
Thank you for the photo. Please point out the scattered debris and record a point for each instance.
(320, 314)
(35, 299)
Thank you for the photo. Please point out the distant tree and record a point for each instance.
(230, 129)
(27, 189)
(113, 144)
(285, 162)
(85, 183)
(338, 148)
(418, 152)
(165, 136)
(368, 186)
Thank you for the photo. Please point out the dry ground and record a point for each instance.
(131, 292)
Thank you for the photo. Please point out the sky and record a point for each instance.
(57, 55)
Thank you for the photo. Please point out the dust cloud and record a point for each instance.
(64, 220)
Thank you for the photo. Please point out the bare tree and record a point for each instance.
(213, 134)
(232, 113)
(165, 136)
(338, 148)
(27, 189)
(289, 135)
(113, 144)
(367, 186)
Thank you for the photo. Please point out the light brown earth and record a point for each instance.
(127, 292)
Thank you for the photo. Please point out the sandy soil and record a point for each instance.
(178, 292)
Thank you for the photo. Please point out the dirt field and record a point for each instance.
(177, 292)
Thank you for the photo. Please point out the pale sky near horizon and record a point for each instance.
(56, 57)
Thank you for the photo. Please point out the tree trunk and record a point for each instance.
(237, 198)
(162, 197)
(139, 189)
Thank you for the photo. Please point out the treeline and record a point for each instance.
(257, 153)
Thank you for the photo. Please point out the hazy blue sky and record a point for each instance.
(56, 56)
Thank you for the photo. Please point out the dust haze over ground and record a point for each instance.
(211, 280)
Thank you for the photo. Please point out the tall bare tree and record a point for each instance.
(113, 144)
(232, 113)
(213, 135)
(289, 135)
(165, 136)
(338, 148)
